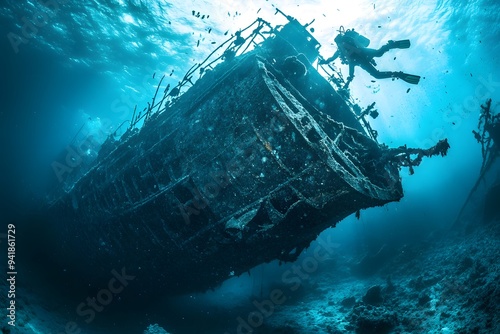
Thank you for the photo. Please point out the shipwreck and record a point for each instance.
(252, 155)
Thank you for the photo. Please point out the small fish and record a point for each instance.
(394, 58)
(193, 12)
(380, 26)
(226, 33)
(259, 10)
(213, 42)
(471, 74)
(373, 81)
(209, 30)
(208, 16)
(154, 75)
(198, 44)
(373, 6)
(171, 73)
(408, 90)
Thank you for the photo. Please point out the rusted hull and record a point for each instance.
(238, 172)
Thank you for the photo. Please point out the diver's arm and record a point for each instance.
(351, 75)
(351, 71)
(329, 60)
(335, 56)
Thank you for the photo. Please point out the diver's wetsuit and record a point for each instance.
(363, 57)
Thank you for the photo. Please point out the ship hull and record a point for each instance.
(242, 170)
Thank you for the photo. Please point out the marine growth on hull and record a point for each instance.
(246, 160)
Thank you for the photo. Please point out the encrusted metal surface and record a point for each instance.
(244, 168)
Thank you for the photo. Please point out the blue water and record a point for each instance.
(85, 65)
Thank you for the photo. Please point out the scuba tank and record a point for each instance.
(353, 37)
(350, 43)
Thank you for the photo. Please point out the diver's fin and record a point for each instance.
(403, 44)
(409, 78)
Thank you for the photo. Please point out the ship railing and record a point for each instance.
(234, 46)
(336, 79)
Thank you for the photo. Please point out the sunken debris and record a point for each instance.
(488, 135)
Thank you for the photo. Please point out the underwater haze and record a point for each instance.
(73, 70)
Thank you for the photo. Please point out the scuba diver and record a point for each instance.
(352, 48)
